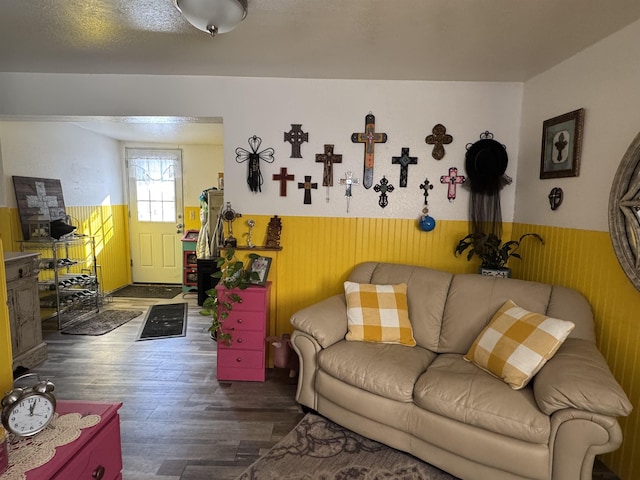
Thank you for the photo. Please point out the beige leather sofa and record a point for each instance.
(428, 401)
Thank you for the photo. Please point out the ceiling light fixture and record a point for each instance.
(213, 16)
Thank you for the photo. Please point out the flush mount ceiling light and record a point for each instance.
(213, 16)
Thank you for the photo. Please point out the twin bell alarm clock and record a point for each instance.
(28, 409)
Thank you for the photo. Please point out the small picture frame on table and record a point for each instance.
(260, 266)
(562, 145)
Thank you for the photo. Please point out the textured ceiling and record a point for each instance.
(455, 40)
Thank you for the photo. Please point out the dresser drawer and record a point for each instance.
(254, 298)
(242, 374)
(245, 340)
(236, 358)
(238, 320)
(21, 267)
(101, 456)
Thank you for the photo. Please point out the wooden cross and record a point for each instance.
(348, 180)
(426, 186)
(296, 137)
(453, 179)
(438, 139)
(307, 185)
(283, 177)
(328, 158)
(404, 161)
(369, 138)
(383, 187)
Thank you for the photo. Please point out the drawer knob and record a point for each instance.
(20, 273)
(239, 340)
(239, 359)
(239, 320)
(98, 473)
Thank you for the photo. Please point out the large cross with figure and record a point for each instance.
(283, 177)
(328, 158)
(453, 180)
(307, 185)
(369, 138)
(438, 138)
(404, 161)
(296, 137)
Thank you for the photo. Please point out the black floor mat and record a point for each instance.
(165, 320)
(148, 291)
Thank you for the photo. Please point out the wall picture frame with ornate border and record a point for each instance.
(562, 145)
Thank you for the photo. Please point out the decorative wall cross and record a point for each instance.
(453, 180)
(439, 138)
(296, 137)
(349, 181)
(383, 187)
(41, 200)
(404, 161)
(328, 159)
(369, 138)
(283, 177)
(307, 185)
(254, 177)
(426, 186)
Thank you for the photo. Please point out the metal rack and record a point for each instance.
(67, 281)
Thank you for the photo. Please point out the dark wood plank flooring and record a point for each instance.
(177, 421)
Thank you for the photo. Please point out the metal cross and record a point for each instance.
(439, 138)
(369, 138)
(453, 179)
(348, 180)
(283, 177)
(384, 187)
(307, 185)
(426, 186)
(296, 137)
(404, 161)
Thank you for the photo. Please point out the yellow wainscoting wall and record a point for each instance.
(585, 260)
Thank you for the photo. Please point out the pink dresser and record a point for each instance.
(95, 455)
(245, 358)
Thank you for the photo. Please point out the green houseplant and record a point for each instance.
(493, 254)
(233, 275)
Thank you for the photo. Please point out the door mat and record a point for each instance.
(101, 323)
(148, 291)
(164, 321)
(318, 449)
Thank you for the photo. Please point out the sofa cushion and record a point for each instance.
(378, 313)
(458, 390)
(383, 369)
(517, 343)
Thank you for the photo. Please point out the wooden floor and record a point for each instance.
(177, 421)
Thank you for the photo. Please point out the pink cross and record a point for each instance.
(453, 179)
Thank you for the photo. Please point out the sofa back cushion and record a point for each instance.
(449, 311)
(426, 291)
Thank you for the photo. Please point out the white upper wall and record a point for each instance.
(329, 110)
(604, 80)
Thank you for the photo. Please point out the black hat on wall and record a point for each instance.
(486, 161)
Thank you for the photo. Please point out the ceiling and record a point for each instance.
(451, 40)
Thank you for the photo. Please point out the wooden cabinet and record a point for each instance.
(95, 454)
(245, 358)
(24, 309)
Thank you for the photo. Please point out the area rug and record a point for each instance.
(148, 291)
(318, 449)
(101, 323)
(164, 320)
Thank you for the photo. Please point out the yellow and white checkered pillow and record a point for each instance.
(378, 313)
(517, 343)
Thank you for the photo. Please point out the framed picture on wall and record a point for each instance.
(562, 145)
(260, 266)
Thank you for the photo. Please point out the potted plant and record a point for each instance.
(493, 254)
(233, 275)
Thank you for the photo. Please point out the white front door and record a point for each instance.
(155, 214)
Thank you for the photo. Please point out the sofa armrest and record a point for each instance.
(325, 321)
(578, 377)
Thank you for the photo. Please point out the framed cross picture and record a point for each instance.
(260, 266)
(562, 145)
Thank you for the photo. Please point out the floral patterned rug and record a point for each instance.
(318, 449)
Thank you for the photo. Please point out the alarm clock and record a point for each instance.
(29, 409)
